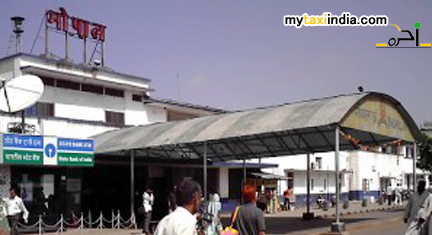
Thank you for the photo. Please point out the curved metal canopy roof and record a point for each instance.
(365, 119)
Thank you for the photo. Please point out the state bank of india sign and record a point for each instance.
(46, 150)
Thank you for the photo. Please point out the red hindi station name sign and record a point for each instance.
(83, 28)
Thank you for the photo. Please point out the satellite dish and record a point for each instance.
(20, 92)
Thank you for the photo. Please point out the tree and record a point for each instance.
(425, 149)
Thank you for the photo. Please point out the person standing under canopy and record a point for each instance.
(250, 220)
(214, 208)
(148, 200)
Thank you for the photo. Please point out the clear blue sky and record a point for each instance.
(237, 54)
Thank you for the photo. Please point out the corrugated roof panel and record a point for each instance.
(308, 118)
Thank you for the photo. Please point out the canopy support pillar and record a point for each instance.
(244, 172)
(132, 180)
(244, 178)
(308, 215)
(205, 175)
(414, 167)
(337, 227)
(308, 183)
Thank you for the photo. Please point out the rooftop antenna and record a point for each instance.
(21, 92)
(18, 23)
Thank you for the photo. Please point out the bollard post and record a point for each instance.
(40, 224)
(101, 221)
(61, 223)
(118, 219)
(90, 219)
(112, 219)
(134, 220)
(82, 223)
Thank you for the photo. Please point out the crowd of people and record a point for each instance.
(186, 213)
(394, 195)
(248, 218)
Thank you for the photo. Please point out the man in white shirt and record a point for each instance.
(14, 208)
(389, 193)
(148, 199)
(183, 220)
(398, 195)
(418, 211)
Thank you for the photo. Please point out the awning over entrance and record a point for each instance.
(365, 119)
(345, 122)
(248, 165)
(270, 176)
(343, 171)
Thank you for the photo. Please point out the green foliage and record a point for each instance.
(425, 149)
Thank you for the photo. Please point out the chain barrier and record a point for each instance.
(79, 224)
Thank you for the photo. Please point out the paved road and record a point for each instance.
(356, 222)
(394, 228)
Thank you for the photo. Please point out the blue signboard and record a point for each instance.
(75, 145)
(46, 150)
(22, 141)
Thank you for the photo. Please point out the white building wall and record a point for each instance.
(224, 182)
(6, 69)
(95, 74)
(88, 106)
(319, 179)
(299, 163)
(377, 168)
(81, 106)
(58, 127)
(138, 114)
(380, 168)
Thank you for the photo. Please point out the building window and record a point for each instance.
(366, 185)
(388, 149)
(394, 150)
(92, 89)
(114, 92)
(68, 85)
(40, 110)
(399, 150)
(290, 179)
(116, 118)
(136, 97)
(409, 152)
(48, 81)
(319, 163)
